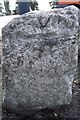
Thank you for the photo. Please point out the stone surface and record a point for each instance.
(39, 59)
(79, 32)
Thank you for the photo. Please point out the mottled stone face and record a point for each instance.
(39, 59)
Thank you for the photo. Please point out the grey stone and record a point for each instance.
(40, 51)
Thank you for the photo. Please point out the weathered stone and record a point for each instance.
(39, 59)
(79, 32)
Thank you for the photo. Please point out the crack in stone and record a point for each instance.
(46, 22)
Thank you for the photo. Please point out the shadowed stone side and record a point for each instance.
(40, 53)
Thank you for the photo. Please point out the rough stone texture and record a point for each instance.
(39, 59)
(79, 31)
